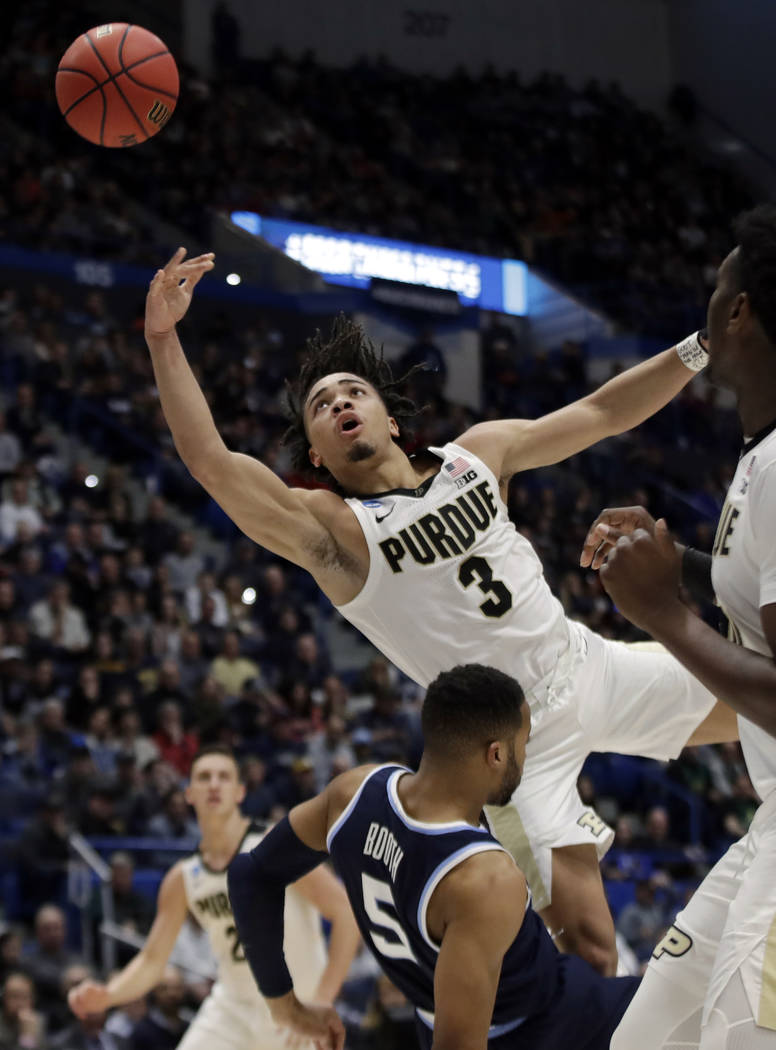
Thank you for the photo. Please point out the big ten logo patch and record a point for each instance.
(676, 943)
(593, 823)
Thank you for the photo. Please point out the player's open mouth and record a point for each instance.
(349, 424)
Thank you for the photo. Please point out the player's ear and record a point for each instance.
(493, 755)
(393, 427)
(315, 458)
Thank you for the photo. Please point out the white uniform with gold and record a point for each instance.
(452, 581)
(235, 1016)
(717, 965)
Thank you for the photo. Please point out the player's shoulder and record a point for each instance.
(341, 791)
(485, 881)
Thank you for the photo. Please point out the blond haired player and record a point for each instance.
(234, 1016)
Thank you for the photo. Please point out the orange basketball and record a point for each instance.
(117, 85)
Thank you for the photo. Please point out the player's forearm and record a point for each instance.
(183, 403)
(743, 679)
(139, 976)
(635, 395)
(344, 940)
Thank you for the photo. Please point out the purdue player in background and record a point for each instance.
(234, 1016)
(440, 903)
(712, 980)
(422, 558)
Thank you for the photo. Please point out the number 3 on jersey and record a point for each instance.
(477, 570)
(381, 910)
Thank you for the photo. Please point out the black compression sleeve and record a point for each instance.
(696, 574)
(257, 890)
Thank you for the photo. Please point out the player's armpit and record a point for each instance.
(264, 507)
(485, 908)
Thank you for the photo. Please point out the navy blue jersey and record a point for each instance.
(391, 864)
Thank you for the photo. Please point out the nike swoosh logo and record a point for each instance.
(384, 516)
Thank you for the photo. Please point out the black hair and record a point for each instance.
(469, 706)
(217, 749)
(347, 349)
(755, 233)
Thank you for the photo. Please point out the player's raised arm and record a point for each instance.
(512, 445)
(252, 495)
(481, 906)
(145, 969)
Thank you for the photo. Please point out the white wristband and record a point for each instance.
(691, 353)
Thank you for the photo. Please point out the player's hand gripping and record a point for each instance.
(607, 529)
(171, 289)
(88, 997)
(321, 1024)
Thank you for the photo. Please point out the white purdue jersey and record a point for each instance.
(451, 581)
(304, 944)
(744, 577)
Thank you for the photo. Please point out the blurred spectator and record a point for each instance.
(205, 587)
(42, 854)
(230, 669)
(330, 751)
(18, 509)
(259, 796)
(133, 911)
(175, 820)
(97, 818)
(55, 621)
(389, 726)
(131, 740)
(11, 941)
(184, 564)
(176, 745)
(90, 1032)
(21, 1026)
(164, 1024)
(643, 920)
(193, 666)
(47, 956)
(10, 449)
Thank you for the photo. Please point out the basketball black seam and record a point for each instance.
(99, 84)
(112, 77)
(126, 69)
(83, 72)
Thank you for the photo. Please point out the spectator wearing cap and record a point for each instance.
(230, 668)
(48, 955)
(22, 1027)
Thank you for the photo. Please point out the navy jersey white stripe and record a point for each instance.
(391, 864)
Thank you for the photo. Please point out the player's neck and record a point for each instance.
(436, 795)
(221, 837)
(395, 471)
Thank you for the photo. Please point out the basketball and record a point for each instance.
(117, 85)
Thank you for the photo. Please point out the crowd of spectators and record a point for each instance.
(123, 647)
(610, 199)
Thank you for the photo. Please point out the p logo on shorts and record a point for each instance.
(675, 943)
(593, 823)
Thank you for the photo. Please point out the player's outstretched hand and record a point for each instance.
(320, 1024)
(88, 997)
(171, 289)
(641, 576)
(607, 529)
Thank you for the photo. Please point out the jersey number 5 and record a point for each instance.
(477, 570)
(381, 910)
